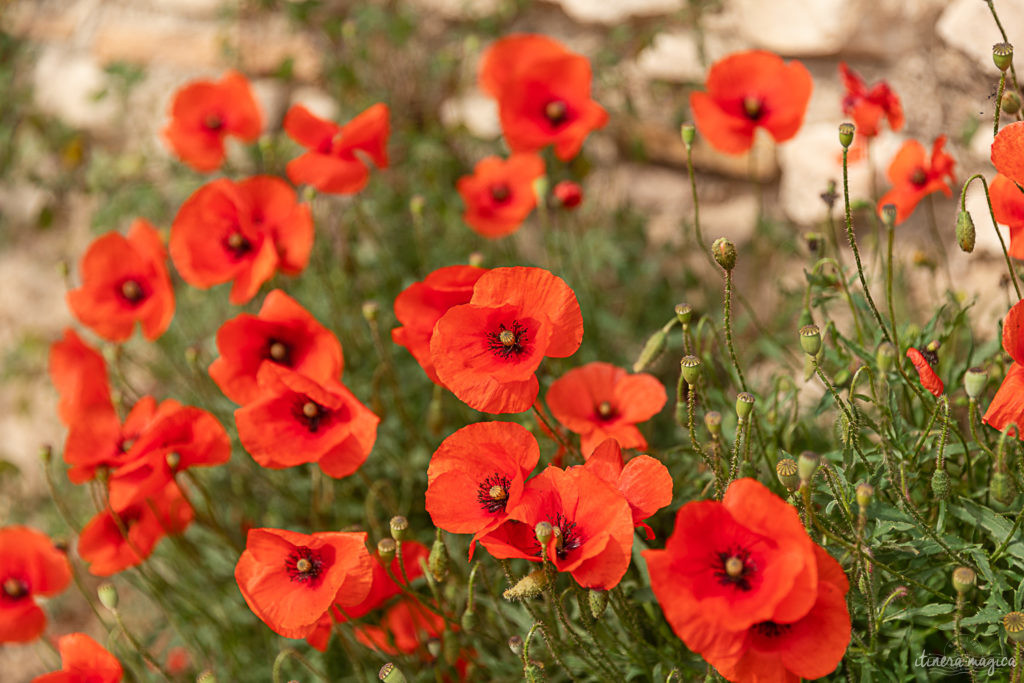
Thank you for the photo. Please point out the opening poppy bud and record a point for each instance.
(807, 465)
(1011, 102)
(438, 560)
(846, 131)
(370, 310)
(724, 252)
(598, 600)
(1002, 55)
(207, 677)
(744, 404)
(515, 643)
(684, 312)
(865, 493)
(468, 620)
(885, 356)
(652, 349)
(543, 531)
(386, 549)
(940, 484)
(389, 673)
(690, 366)
(786, 470)
(568, 194)
(108, 595)
(528, 587)
(713, 421)
(688, 132)
(1002, 487)
(889, 215)
(975, 380)
(810, 339)
(1013, 622)
(399, 525)
(173, 460)
(965, 233)
(963, 579)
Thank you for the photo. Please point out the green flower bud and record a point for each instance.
(528, 587)
(543, 531)
(598, 600)
(965, 233)
(786, 469)
(1002, 487)
(1002, 55)
(389, 673)
(975, 380)
(885, 356)
(108, 595)
(690, 366)
(416, 204)
(846, 131)
(724, 252)
(807, 465)
(963, 579)
(889, 215)
(1013, 622)
(688, 132)
(371, 309)
(399, 527)
(865, 494)
(652, 349)
(713, 421)
(438, 559)
(468, 620)
(940, 484)
(386, 550)
(810, 339)
(684, 312)
(744, 404)
(1011, 103)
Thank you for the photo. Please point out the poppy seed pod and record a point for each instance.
(688, 132)
(965, 233)
(713, 422)
(889, 215)
(810, 339)
(399, 527)
(975, 380)
(684, 312)
(724, 252)
(963, 579)
(1013, 622)
(744, 404)
(1002, 55)
(386, 549)
(389, 673)
(846, 131)
(108, 596)
(1011, 102)
(786, 470)
(690, 366)
(543, 531)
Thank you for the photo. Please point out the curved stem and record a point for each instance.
(285, 654)
(995, 226)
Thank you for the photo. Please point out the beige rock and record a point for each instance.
(616, 11)
(143, 37)
(797, 27)
(477, 112)
(65, 84)
(317, 101)
(459, 9)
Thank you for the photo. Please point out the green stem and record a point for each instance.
(888, 289)
(728, 329)
(999, 103)
(1002, 32)
(285, 654)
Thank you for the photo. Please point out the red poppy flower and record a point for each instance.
(83, 660)
(297, 420)
(242, 232)
(749, 90)
(599, 400)
(30, 565)
(929, 380)
(644, 482)
(543, 94)
(486, 351)
(913, 177)
(1008, 207)
(203, 113)
(405, 628)
(1007, 406)
(593, 527)
(108, 551)
(476, 474)
(568, 194)
(79, 374)
(333, 163)
(499, 195)
(421, 305)
(731, 565)
(283, 333)
(1008, 152)
(866, 106)
(290, 580)
(124, 281)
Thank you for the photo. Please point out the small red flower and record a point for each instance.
(750, 90)
(283, 333)
(929, 380)
(298, 420)
(599, 400)
(913, 177)
(290, 580)
(499, 195)
(543, 94)
(486, 351)
(83, 660)
(333, 163)
(421, 305)
(1008, 152)
(79, 374)
(106, 548)
(241, 232)
(644, 482)
(1008, 207)
(405, 628)
(124, 281)
(866, 106)
(476, 474)
(568, 194)
(203, 113)
(1007, 406)
(30, 565)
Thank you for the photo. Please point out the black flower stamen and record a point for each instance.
(506, 341)
(734, 567)
(304, 565)
(770, 629)
(310, 413)
(492, 494)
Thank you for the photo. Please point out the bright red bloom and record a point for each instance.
(914, 177)
(242, 232)
(290, 580)
(749, 90)
(866, 106)
(732, 565)
(405, 628)
(298, 420)
(499, 195)
(599, 400)
(332, 164)
(79, 374)
(203, 113)
(421, 305)
(83, 660)
(1008, 152)
(1007, 406)
(30, 565)
(644, 482)
(543, 94)
(147, 521)
(593, 525)
(486, 351)
(929, 380)
(476, 475)
(1008, 207)
(124, 281)
(283, 333)
(568, 194)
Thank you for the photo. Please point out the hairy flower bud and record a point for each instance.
(975, 380)
(652, 349)
(438, 559)
(1002, 487)
(528, 587)
(865, 494)
(598, 600)
(965, 233)
(724, 252)
(885, 356)
(940, 484)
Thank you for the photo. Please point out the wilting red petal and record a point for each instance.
(929, 380)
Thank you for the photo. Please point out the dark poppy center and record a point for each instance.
(734, 567)
(213, 122)
(501, 193)
(919, 177)
(304, 565)
(15, 589)
(278, 352)
(769, 629)
(492, 494)
(237, 244)
(556, 112)
(753, 107)
(310, 413)
(132, 292)
(606, 410)
(567, 536)
(508, 341)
